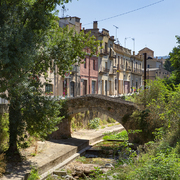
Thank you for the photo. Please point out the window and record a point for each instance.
(106, 47)
(48, 88)
(105, 65)
(84, 62)
(77, 20)
(93, 87)
(116, 84)
(94, 65)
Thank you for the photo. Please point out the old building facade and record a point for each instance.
(154, 66)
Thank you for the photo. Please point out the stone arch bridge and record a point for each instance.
(115, 108)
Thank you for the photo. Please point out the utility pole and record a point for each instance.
(145, 55)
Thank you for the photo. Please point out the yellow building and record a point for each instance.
(129, 76)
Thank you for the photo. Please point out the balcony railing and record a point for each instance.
(120, 67)
(103, 52)
(112, 72)
(103, 70)
(128, 68)
(137, 71)
(75, 69)
(111, 54)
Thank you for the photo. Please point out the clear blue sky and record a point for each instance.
(154, 27)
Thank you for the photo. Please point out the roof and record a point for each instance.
(146, 49)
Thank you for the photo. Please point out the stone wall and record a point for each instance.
(115, 108)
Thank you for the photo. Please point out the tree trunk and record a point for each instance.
(14, 122)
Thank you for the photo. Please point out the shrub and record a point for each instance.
(33, 174)
(111, 120)
(94, 123)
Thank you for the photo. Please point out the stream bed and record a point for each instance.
(99, 158)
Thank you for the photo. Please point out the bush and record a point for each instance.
(94, 123)
(33, 174)
(111, 120)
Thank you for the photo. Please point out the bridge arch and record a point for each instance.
(115, 108)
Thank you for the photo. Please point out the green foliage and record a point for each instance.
(81, 159)
(4, 135)
(116, 136)
(32, 44)
(168, 65)
(157, 167)
(33, 174)
(77, 121)
(2, 165)
(111, 120)
(94, 123)
(175, 62)
(96, 172)
(130, 98)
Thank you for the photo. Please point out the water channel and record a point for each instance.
(102, 156)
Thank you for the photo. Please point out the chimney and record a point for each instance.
(80, 26)
(95, 24)
(133, 53)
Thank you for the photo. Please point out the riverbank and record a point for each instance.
(49, 155)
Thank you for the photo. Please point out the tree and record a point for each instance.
(31, 42)
(175, 62)
(168, 66)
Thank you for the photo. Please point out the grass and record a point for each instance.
(116, 136)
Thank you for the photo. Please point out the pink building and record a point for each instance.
(89, 76)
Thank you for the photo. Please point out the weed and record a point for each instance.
(81, 159)
(116, 136)
(94, 123)
(33, 174)
(111, 120)
(33, 154)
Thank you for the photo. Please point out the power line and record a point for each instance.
(128, 12)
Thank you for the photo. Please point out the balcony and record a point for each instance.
(112, 72)
(75, 69)
(112, 54)
(137, 71)
(120, 67)
(103, 52)
(103, 70)
(128, 69)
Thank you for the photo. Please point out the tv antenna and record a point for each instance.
(116, 34)
(64, 10)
